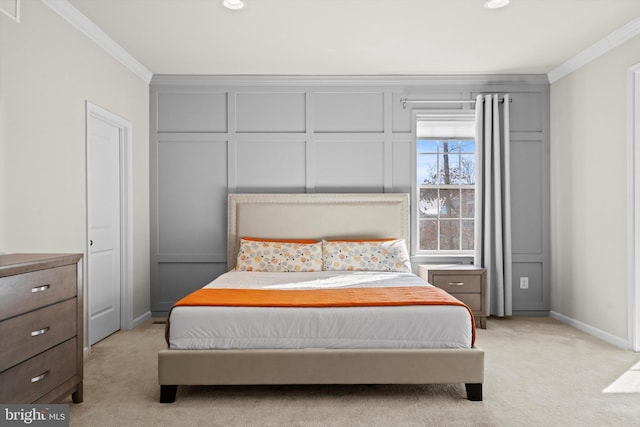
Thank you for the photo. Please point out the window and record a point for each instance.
(445, 187)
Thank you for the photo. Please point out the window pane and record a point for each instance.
(443, 170)
(467, 205)
(452, 146)
(452, 171)
(468, 169)
(427, 146)
(427, 169)
(429, 203)
(467, 146)
(467, 235)
(428, 235)
(450, 200)
(449, 235)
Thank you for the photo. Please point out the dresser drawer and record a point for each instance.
(457, 283)
(25, 336)
(21, 293)
(472, 300)
(37, 376)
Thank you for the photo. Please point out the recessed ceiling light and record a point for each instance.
(234, 4)
(495, 4)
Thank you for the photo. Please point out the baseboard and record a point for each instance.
(598, 333)
(530, 313)
(160, 314)
(141, 319)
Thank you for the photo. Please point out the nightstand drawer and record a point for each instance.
(25, 336)
(39, 375)
(454, 283)
(25, 292)
(472, 300)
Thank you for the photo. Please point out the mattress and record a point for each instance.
(417, 326)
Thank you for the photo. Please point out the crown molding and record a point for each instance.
(91, 30)
(596, 50)
(15, 14)
(400, 81)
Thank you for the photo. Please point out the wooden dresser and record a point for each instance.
(465, 282)
(41, 324)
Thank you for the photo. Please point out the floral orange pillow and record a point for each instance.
(374, 255)
(278, 256)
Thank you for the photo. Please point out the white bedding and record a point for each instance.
(331, 327)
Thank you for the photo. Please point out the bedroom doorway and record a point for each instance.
(108, 281)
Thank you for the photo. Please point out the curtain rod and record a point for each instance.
(405, 101)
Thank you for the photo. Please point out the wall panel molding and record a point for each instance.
(311, 134)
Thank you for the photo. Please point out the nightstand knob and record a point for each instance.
(39, 332)
(39, 377)
(456, 283)
(40, 288)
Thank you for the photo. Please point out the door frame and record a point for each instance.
(126, 212)
(633, 193)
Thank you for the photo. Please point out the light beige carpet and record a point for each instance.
(538, 372)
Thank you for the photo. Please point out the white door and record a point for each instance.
(103, 192)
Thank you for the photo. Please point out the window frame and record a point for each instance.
(417, 255)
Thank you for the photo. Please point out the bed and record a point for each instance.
(388, 360)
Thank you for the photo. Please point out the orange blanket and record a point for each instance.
(342, 297)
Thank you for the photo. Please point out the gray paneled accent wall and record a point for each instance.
(212, 135)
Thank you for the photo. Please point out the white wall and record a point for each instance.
(47, 71)
(589, 193)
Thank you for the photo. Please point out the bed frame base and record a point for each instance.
(474, 392)
(320, 366)
(168, 393)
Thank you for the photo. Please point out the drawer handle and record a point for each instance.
(40, 331)
(456, 283)
(40, 377)
(40, 288)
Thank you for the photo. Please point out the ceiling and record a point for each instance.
(356, 37)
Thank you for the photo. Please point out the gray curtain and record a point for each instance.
(493, 201)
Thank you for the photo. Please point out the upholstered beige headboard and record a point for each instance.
(315, 216)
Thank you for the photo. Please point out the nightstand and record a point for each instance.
(468, 283)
